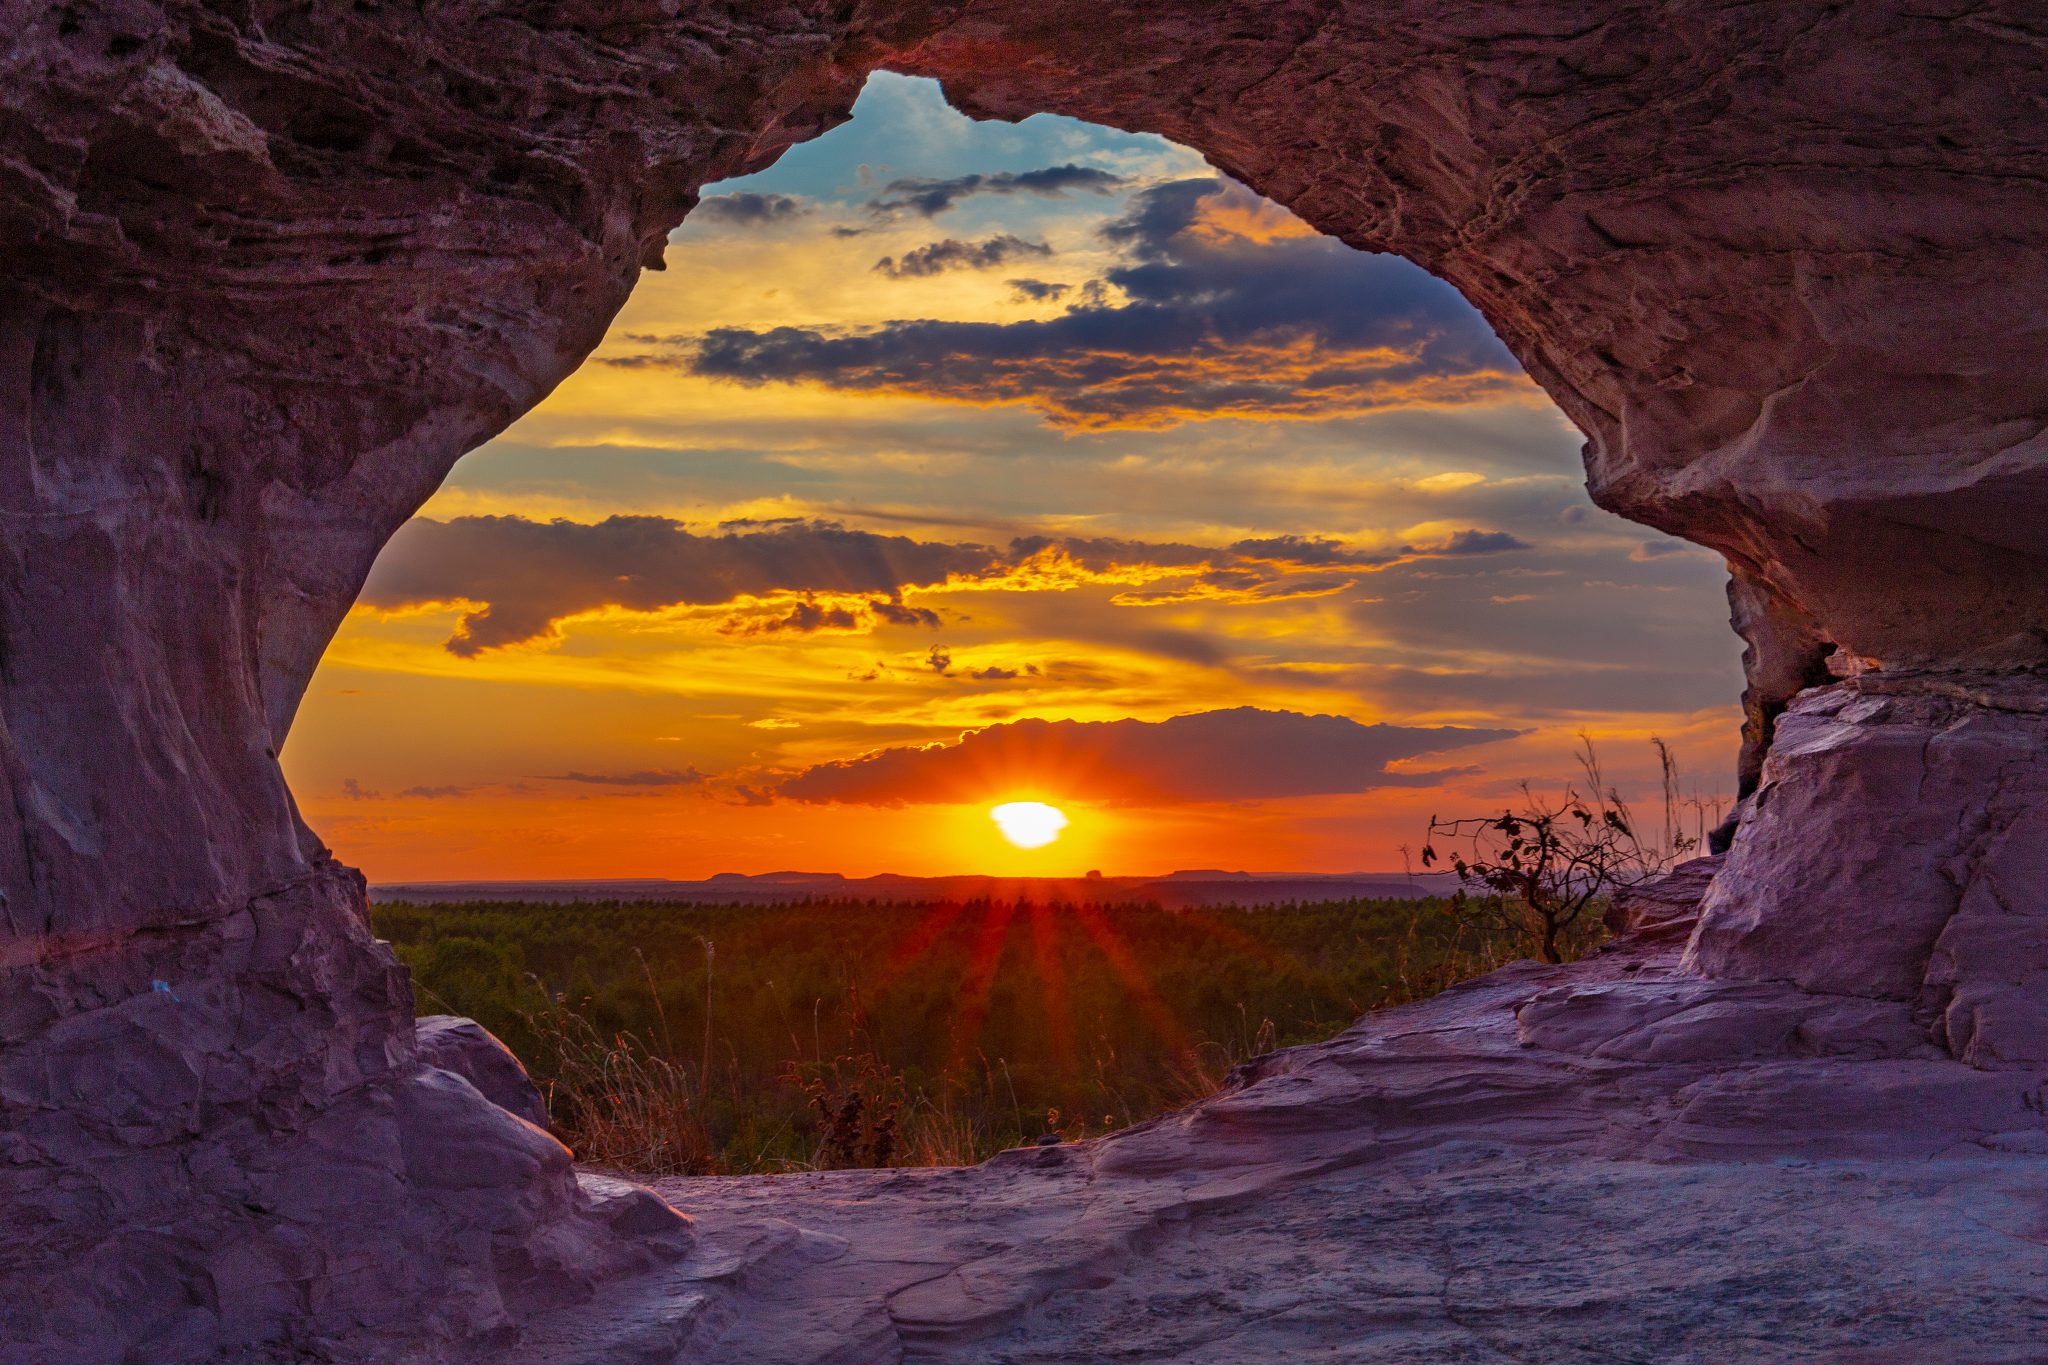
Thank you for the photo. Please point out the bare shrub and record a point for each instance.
(858, 1102)
(1544, 863)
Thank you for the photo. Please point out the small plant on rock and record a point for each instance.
(1545, 863)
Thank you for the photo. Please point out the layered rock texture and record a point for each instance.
(267, 270)
(1613, 1160)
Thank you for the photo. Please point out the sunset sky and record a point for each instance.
(954, 463)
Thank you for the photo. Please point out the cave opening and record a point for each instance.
(937, 425)
(272, 270)
(952, 468)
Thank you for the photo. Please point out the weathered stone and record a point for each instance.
(267, 270)
(1898, 813)
(474, 1053)
(1432, 1185)
(1663, 906)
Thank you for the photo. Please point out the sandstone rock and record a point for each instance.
(252, 1160)
(1429, 1186)
(1898, 813)
(474, 1053)
(1664, 906)
(266, 270)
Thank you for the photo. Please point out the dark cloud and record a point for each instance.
(355, 791)
(653, 777)
(1479, 543)
(1235, 755)
(805, 618)
(1302, 550)
(519, 579)
(935, 258)
(1037, 291)
(751, 210)
(810, 616)
(940, 660)
(761, 523)
(436, 793)
(929, 198)
(896, 614)
(531, 574)
(1219, 310)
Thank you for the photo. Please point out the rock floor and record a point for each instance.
(1429, 1186)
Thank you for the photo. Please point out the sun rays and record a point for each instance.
(1036, 946)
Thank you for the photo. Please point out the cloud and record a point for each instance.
(353, 790)
(654, 777)
(1477, 543)
(1235, 755)
(1037, 291)
(516, 580)
(896, 614)
(1298, 550)
(1650, 551)
(811, 617)
(936, 258)
(929, 198)
(751, 210)
(530, 574)
(1223, 307)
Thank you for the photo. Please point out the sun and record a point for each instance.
(1029, 824)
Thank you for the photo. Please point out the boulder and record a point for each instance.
(474, 1053)
(1662, 906)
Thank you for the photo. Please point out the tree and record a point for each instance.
(1548, 861)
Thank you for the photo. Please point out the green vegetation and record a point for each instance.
(676, 1038)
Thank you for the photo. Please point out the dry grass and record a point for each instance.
(641, 1074)
(617, 1103)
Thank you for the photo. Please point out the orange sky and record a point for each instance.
(937, 428)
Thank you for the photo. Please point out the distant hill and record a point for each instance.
(1204, 886)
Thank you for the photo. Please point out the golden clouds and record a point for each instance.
(1158, 451)
(1241, 754)
(515, 581)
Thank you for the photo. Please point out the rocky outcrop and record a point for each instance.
(1898, 849)
(474, 1053)
(1662, 907)
(222, 1138)
(1550, 1164)
(266, 270)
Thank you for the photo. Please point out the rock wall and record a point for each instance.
(270, 269)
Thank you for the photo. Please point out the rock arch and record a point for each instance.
(271, 269)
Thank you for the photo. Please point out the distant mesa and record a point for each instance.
(757, 878)
(1175, 890)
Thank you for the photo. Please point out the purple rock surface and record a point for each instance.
(269, 269)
